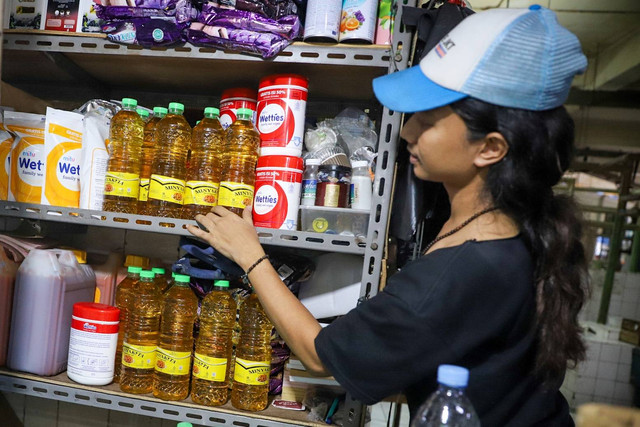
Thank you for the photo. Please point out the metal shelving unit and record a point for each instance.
(66, 67)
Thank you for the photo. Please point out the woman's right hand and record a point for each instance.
(231, 235)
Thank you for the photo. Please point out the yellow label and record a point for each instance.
(62, 183)
(144, 190)
(5, 167)
(235, 195)
(27, 168)
(122, 184)
(65, 132)
(173, 362)
(320, 225)
(166, 188)
(201, 193)
(209, 368)
(96, 295)
(139, 356)
(252, 373)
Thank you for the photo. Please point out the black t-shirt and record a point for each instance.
(471, 305)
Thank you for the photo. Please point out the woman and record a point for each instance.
(498, 291)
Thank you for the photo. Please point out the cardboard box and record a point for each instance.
(62, 15)
(630, 331)
(88, 21)
(27, 14)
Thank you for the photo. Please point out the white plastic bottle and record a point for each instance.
(448, 405)
(310, 182)
(361, 188)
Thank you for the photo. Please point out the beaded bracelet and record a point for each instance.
(245, 276)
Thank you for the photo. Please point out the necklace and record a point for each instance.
(458, 228)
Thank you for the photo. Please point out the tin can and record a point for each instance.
(358, 20)
(282, 103)
(234, 99)
(277, 194)
(322, 22)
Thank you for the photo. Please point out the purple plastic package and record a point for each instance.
(181, 10)
(273, 9)
(156, 4)
(288, 26)
(264, 44)
(147, 32)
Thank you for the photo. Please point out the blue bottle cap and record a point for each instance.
(453, 376)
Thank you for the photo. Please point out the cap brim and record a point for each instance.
(409, 91)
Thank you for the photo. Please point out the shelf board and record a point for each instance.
(60, 387)
(268, 236)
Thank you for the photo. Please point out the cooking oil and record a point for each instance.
(169, 169)
(124, 293)
(253, 358)
(122, 181)
(210, 385)
(161, 280)
(144, 114)
(141, 337)
(203, 173)
(173, 357)
(239, 158)
(148, 151)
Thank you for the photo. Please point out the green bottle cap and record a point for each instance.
(176, 108)
(173, 274)
(158, 270)
(198, 122)
(244, 114)
(133, 269)
(147, 274)
(129, 103)
(143, 113)
(211, 112)
(184, 424)
(221, 283)
(159, 111)
(182, 278)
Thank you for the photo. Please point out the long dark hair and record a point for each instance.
(540, 151)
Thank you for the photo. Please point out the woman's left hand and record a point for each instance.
(232, 236)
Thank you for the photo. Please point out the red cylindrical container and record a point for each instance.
(234, 99)
(92, 343)
(277, 193)
(282, 103)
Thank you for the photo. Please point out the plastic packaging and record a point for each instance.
(141, 337)
(282, 103)
(361, 186)
(253, 358)
(287, 26)
(333, 186)
(203, 174)
(48, 283)
(310, 182)
(27, 156)
(6, 142)
(92, 343)
(239, 163)
(106, 279)
(175, 346)
(160, 280)
(148, 153)
(122, 183)
(63, 151)
(125, 293)
(213, 347)
(234, 99)
(94, 159)
(7, 278)
(169, 170)
(277, 194)
(448, 405)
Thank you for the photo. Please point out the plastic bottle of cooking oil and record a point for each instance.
(124, 293)
(161, 280)
(239, 157)
(148, 151)
(141, 337)
(203, 175)
(253, 358)
(213, 347)
(122, 181)
(144, 114)
(169, 169)
(175, 347)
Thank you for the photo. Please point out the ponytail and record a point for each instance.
(540, 150)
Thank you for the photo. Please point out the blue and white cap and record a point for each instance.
(519, 58)
(453, 376)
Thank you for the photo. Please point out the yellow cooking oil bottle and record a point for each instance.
(161, 280)
(253, 357)
(210, 383)
(239, 157)
(203, 173)
(122, 180)
(124, 293)
(144, 114)
(175, 347)
(148, 151)
(169, 169)
(141, 337)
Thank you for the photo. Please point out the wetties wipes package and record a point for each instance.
(27, 156)
(95, 158)
(62, 146)
(6, 142)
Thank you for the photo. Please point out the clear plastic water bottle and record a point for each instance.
(448, 405)
(310, 182)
